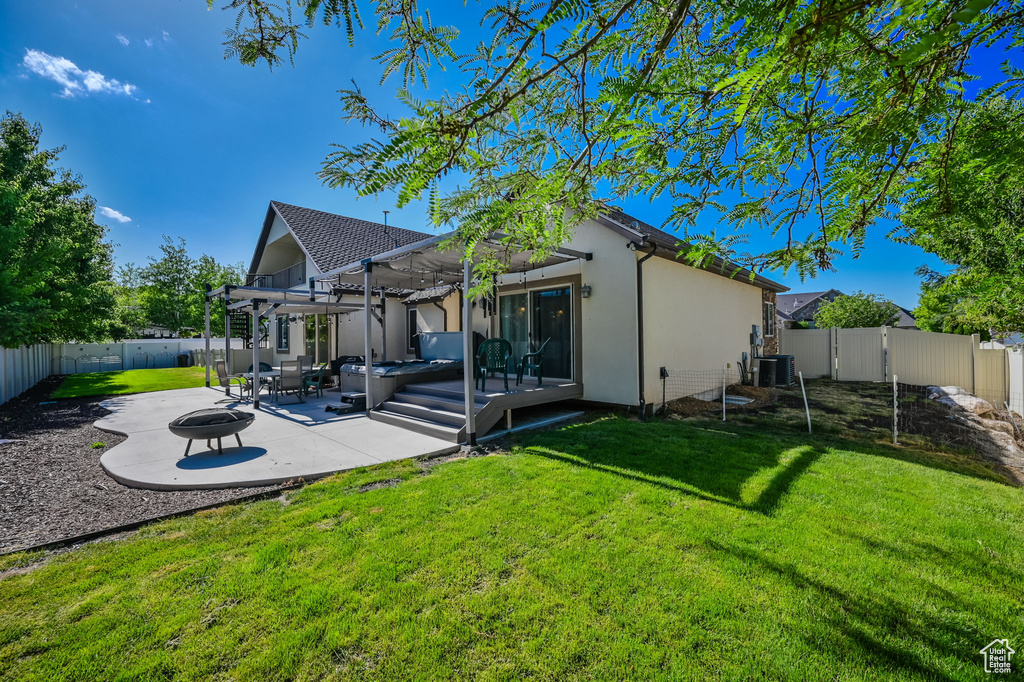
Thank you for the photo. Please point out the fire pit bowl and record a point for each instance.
(210, 423)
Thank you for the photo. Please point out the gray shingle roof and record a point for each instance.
(790, 303)
(333, 240)
(674, 243)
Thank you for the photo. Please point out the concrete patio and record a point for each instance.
(286, 442)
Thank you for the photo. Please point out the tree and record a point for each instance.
(55, 284)
(857, 310)
(168, 291)
(972, 216)
(814, 113)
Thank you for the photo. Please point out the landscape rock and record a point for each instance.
(968, 403)
(997, 425)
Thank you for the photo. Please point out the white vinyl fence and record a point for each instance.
(22, 368)
(916, 357)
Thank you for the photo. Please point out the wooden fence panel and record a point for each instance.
(861, 354)
(812, 350)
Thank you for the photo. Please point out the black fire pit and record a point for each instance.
(210, 423)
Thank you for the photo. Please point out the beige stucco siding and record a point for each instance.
(693, 320)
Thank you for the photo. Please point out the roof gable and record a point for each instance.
(332, 240)
(791, 303)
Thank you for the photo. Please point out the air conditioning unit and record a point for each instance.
(785, 369)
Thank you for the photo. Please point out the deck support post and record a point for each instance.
(206, 313)
(469, 380)
(368, 332)
(255, 386)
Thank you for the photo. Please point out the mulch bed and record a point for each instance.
(51, 482)
(688, 407)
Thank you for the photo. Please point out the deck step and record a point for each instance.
(440, 415)
(427, 428)
(434, 401)
(456, 395)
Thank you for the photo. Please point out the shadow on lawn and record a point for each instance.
(704, 463)
(93, 384)
(850, 621)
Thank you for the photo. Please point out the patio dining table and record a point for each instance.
(274, 375)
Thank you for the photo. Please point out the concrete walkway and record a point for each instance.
(286, 442)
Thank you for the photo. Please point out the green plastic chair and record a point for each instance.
(314, 380)
(494, 355)
(531, 361)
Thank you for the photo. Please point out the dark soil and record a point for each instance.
(686, 407)
(51, 483)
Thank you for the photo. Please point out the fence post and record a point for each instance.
(724, 368)
(895, 412)
(833, 338)
(807, 408)
(885, 351)
(975, 345)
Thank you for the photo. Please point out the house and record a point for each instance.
(616, 304)
(803, 307)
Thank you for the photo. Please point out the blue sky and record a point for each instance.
(173, 139)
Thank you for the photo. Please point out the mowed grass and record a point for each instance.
(130, 381)
(611, 549)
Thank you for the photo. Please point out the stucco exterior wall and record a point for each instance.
(693, 320)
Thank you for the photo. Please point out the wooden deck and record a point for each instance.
(437, 408)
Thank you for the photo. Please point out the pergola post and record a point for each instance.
(256, 354)
(383, 327)
(368, 332)
(469, 381)
(227, 339)
(206, 313)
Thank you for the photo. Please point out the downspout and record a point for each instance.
(444, 314)
(640, 327)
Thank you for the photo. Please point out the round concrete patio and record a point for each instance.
(286, 442)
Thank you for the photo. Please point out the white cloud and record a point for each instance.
(74, 80)
(113, 215)
(167, 36)
(122, 39)
(149, 42)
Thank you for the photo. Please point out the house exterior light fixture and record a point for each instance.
(585, 291)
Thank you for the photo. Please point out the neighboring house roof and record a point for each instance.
(623, 222)
(332, 240)
(791, 303)
(906, 318)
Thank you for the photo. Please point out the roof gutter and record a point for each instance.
(640, 324)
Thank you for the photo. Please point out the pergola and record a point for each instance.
(260, 302)
(423, 265)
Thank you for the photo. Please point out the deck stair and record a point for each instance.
(438, 412)
(438, 408)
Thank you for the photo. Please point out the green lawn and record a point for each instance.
(130, 381)
(611, 549)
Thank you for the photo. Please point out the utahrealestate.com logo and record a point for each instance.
(997, 656)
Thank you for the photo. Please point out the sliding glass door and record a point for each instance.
(527, 319)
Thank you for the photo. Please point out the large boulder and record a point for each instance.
(965, 402)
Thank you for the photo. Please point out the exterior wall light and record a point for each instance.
(585, 291)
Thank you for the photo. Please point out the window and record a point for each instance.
(282, 333)
(413, 328)
(769, 319)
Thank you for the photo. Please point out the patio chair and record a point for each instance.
(495, 355)
(290, 380)
(531, 361)
(314, 380)
(225, 380)
(306, 361)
